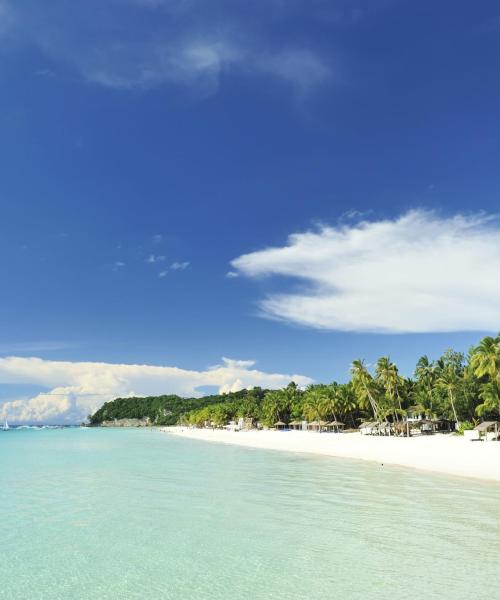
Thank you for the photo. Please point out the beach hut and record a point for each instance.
(403, 428)
(409, 428)
(295, 425)
(487, 430)
(368, 428)
(415, 413)
(427, 427)
(280, 425)
(442, 425)
(318, 426)
(335, 426)
(384, 428)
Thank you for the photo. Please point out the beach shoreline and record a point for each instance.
(446, 454)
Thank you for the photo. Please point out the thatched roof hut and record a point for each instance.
(488, 430)
(487, 426)
(316, 424)
(335, 425)
(368, 427)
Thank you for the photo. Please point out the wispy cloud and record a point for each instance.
(7, 20)
(44, 73)
(79, 388)
(418, 273)
(34, 346)
(176, 266)
(153, 258)
(302, 68)
(148, 43)
(179, 266)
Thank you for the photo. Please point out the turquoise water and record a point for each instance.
(126, 514)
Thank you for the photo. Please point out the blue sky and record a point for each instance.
(148, 144)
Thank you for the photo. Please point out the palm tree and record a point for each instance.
(347, 401)
(316, 403)
(276, 407)
(365, 387)
(449, 382)
(342, 399)
(485, 359)
(387, 374)
(331, 400)
(490, 395)
(425, 375)
(292, 394)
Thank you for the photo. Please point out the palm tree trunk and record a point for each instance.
(373, 405)
(450, 394)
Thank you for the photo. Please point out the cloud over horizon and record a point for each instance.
(79, 388)
(418, 273)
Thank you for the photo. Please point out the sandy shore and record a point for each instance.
(448, 454)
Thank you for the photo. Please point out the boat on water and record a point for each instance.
(6, 426)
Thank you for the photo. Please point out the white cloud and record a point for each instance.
(130, 44)
(153, 258)
(162, 274)
(200, 64)
(35, 346)
(79, 388)
(179, 266)
(417, 273)
(232, 274)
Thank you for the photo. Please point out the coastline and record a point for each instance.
(445, 454)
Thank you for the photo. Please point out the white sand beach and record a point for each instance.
(449, 454)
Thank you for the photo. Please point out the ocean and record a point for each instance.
(138, 514)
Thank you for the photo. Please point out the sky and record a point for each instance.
(199, 196)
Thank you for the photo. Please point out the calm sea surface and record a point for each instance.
(126, 514)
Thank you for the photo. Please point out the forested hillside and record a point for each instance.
(167, 410)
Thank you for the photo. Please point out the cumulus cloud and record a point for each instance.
(128, 44)
(417, 273)
(79, 388)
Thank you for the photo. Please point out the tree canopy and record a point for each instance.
(454, 386)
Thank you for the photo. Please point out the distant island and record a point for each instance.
(456, 388)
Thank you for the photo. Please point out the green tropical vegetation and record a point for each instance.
(168, 409)
(458, 387)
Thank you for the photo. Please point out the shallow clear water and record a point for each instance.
(126, 514)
